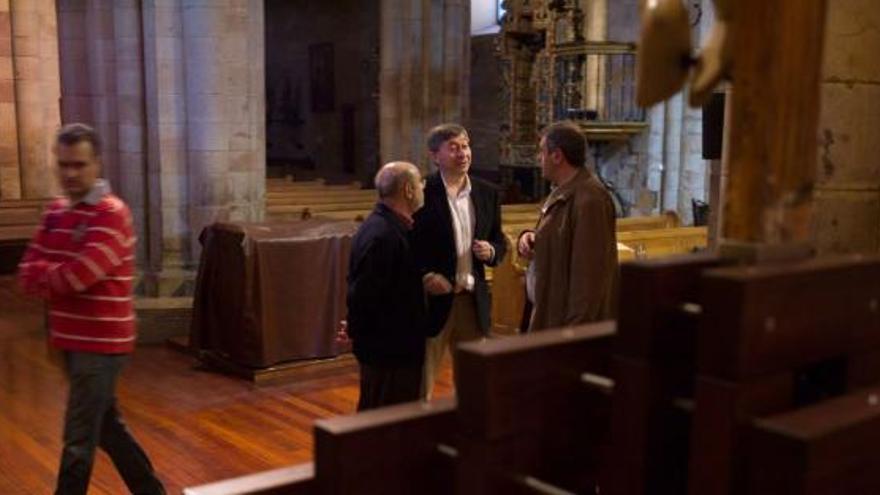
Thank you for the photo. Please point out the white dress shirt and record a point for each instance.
(462, 208)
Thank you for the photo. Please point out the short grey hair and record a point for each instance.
(393, 176)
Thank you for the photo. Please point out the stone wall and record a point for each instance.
(848, 180)
(176, 89)
(29, 96)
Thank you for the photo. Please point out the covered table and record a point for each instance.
(267, 293)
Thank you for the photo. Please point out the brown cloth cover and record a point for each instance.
(271, 292)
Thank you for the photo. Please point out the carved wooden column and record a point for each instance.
(773, 124)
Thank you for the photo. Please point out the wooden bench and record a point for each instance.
(775, 343)
(403, 449)
(654, 368)
(533, 411)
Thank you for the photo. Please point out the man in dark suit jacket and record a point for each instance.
(456, 235)
(386, 306)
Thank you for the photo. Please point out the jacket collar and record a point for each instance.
(402, 223)
(562, 193)
(99, 189)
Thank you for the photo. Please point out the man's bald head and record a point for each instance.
(393, 176)
(400, 183)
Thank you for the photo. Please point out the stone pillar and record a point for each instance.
(130, 115)
(424, 70)
(10, 173)
(167, 217)
(37, 91)
(225, 117)
(848, 172)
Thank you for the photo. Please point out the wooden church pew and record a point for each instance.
(526, 412)
(654, 366)
(402, 449)
(774, 339)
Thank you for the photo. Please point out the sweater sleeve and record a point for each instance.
(33, 265)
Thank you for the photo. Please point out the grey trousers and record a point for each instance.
(92, 420)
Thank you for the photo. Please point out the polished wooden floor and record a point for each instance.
(195, 425)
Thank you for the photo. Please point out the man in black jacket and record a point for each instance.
(386, 304)
(456, 235)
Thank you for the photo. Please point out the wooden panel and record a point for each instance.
(652, 293)
(826, 449)
(391, 450)
(522, 383)
(760, 320)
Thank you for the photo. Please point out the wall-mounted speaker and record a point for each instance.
(713, 127)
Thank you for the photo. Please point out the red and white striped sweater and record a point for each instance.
(82, 261)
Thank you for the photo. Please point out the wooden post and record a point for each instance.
(776, 66)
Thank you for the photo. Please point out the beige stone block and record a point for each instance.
(212, 189)
(7, 91)
(172, 109)
(174, 189)
(130, 110)
(104, 109)
(129, 81)
(207, 21)
(241, 161)
(852, 41)
(4, 5)
(6, 68)
(71, 25)
(172, 135)
(847, 153)
(207, 136)
(26, 46)
(128, 48)
(237, 79)
(847, 221)
(207, 107)
(170, 76)
(77, 109)
(172, 162)
(131, 138)
(234, 49)
(126, 16)
(27, 68)
(167, 20)
(200, 163)
(169, 48)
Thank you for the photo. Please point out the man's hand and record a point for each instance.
(483, 251)
(526, 245)
(436, 284)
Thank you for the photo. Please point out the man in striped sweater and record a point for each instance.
(81, 261)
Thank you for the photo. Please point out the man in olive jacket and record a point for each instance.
(573, 275)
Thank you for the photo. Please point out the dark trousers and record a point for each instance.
(387, 385)
(92, 420)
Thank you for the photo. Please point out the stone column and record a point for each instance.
(130, 115)
(848, 176)
(167, 217)
(225, 117)
(37, 91)
(10, 173)
(424, 70)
